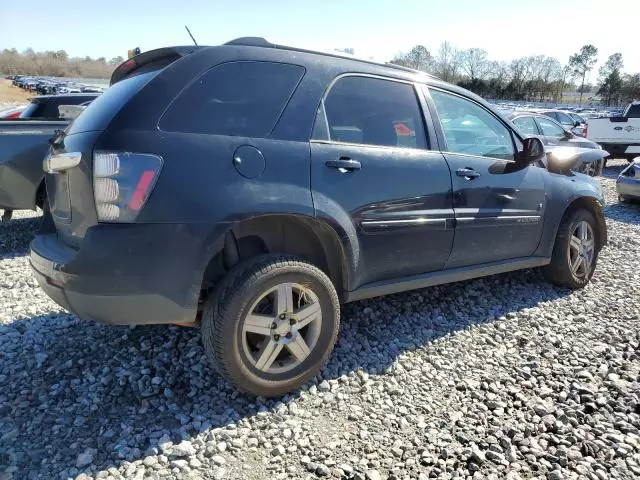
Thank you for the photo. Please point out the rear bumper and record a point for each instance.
(125, 274)
(624, 150)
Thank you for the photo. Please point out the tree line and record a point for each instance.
(55, 64)
(532, 78)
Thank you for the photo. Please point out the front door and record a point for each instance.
(373, 172)
(498, 204)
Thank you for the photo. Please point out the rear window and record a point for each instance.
(33, 110)
(634, 111)
(101, 111)
(238, 99)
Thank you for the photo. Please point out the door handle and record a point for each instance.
(468, 173)
(344, 164)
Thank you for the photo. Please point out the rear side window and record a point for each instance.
(549, 128)
(565, 119)
(526, 125)
(238, 99)
(101, 111)
(372, 111)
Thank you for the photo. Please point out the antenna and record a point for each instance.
(189, 32)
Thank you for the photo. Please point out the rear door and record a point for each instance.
(498, 204)
(373, 169)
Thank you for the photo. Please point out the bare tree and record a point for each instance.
(582, 63)
(474, 63)
(418, 57)
(447, 62)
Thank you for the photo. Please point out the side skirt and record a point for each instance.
(387, 287)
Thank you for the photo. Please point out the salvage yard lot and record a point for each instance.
(505, 376)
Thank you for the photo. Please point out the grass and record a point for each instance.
(12, 94)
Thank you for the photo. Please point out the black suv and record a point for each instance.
(254, 187)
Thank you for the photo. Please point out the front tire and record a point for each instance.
(575, 252)
(272, 324)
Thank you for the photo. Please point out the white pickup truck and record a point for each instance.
(620, 136)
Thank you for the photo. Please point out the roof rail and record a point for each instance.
(262, 42)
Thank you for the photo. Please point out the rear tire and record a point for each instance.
(575, 252)
(271, 324)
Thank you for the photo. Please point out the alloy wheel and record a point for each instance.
(281, 328)
(581, 250)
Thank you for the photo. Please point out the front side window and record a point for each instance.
(237, 99)
(471, 129)
(549, 128)
(526, 125)
(373, 111)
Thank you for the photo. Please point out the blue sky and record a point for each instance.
(374, 28)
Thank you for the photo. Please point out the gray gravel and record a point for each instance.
(504, 377)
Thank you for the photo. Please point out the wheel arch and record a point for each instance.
(299, 235)
(591, 205)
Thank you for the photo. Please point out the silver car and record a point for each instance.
(628, 183)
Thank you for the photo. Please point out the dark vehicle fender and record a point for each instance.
(565, 194)
(320, 241)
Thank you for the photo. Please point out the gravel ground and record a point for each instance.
(504, 377)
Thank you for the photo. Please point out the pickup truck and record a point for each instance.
(23, 145)
(620, 136)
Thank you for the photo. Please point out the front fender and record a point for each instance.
(563, 192)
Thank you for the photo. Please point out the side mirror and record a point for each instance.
(577, 124)
(532, 150)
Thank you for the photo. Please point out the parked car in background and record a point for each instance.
(582, 129)
(23, 144)
(628, 183)
(620, 136)
(564, 119)
(46, 107)
(553, 134)
(260, 213)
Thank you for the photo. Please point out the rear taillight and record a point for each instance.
(122, 183)
(586, 129)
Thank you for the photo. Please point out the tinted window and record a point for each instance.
(99, 114)
(577, 118)
(471, 129)
(33, 110)
(372, 111)
(526, 125)
(565, 119)
(634, 111)
(239, 98)
(550, 128)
